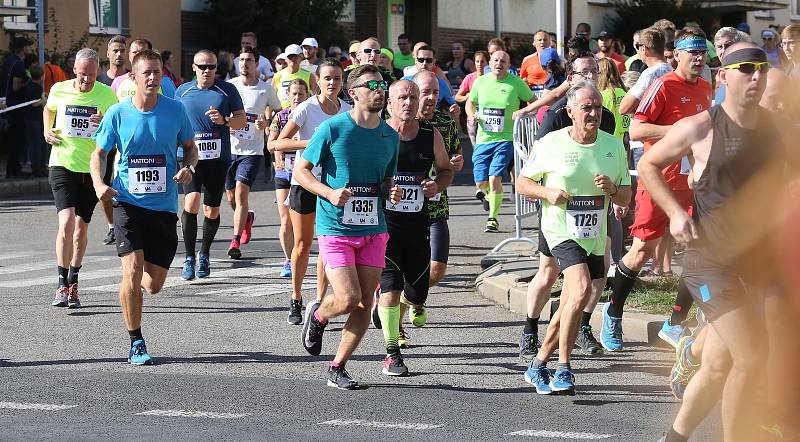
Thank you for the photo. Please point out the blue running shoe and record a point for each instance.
(671, 334)
(138, 354)
(203, 267)
(611, 332)
(286, 271)
(539, 377)
(187, 274)
(563, 382)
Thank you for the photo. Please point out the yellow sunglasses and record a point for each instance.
(750, 67)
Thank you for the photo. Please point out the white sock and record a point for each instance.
(111, 227)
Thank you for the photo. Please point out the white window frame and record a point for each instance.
(15, 23)
(794, 10)
(106, 30)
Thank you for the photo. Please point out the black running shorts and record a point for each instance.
(408, 256)
(569, 253)
(440, 239)
(153, 232)
(73, 189)
(301, 200)
(208, 178)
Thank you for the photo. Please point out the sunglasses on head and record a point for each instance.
(204, 67)
(425, 59)
(750, 67)
(370, 50)
(373, 85)
(639, 46)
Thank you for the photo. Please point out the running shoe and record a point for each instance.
(61, 298)
(295, 312)
(312, 331)
(528, 346)
(402, 340)
(286, 271)
(187, 274)
(339, 377)
(563, 382)
(671, 334)
(492, 226)
(248, 227)
(418, 315)
(684, 369)
(587, 342)
(376, 318)
(72, 298)
(109, 239)
(539, 377)
(203, 266)
(138, 354)
(393, 365)
(234, 249)
(611, 333)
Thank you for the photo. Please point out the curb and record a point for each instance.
(22, 188)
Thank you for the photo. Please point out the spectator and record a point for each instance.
(12, 81)
(166, 60)
(551, 64)
(52, 74)
(789, 37)
(605, 44)
(613, 91)
(458, 66)
(34, 125)
(770, 39)
(584, 32)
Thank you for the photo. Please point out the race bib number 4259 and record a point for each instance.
(585, 215)
(77, 122)
(362, 207)
(147, 174)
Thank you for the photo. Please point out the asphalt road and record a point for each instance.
(230, 367)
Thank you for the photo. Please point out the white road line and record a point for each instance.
(560, 434)
(375, 424)
(40, 407)
(198, 414)
(51, 279)
(40, 265)
(18, 255)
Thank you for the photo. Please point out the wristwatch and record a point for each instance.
(190, 167)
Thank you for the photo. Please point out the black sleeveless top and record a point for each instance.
(414, 162)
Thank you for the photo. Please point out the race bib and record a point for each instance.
(362, 207)
(413, 197)
(208, 147)
(493, 119)
(147, 174)
(585, 215)
(248, 133)
(288, 161)
(77, 123)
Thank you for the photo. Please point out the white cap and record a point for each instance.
(310, 41)
(293, 50)
(280, 56)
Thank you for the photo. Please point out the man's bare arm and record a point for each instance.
(628, 104)
(641, 131)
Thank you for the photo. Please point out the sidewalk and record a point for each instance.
(21, 187)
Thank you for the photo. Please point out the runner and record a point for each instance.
(531, 69)
(281, 80)
(77, 108)
(651, 45)
(481, 61)
(303, 203)
(250, 40)
(403, 57)
(492, 105)
(575, 195)
(738, 159)
(284, 162)
(406, 276)
(459, 66)
(247, 147)
(125, 87)
(357, 154)
(310, 60)
(426, 61)
(670, 98)
(146, 130)
(214, 107)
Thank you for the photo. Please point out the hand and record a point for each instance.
(339, 197)
(184, 176)
(620, 211)
(457, 163)
(682, 227)
(261, 122)
(605, 184)
(52, 137)
(519, 114)
(215, 116)
(96, 118)
(455, 111)
(558, 196)
(395, 194)
(430, 188)
(105, 193)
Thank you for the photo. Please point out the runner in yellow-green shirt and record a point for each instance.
(284, 77)
(73, 111)
(404, 56)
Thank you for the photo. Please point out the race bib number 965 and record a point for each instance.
(77, 123)
(585, 215)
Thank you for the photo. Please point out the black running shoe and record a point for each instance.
(587, 343)
(295, 312)
(393, 365)
(312, 331)
(376, 318)
(110, 239)
(528, 346)
(481, 196)
(339, 377)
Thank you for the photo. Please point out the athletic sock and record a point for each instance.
(673, 436)
(189, 228)
(135, 335)
(683, 302)
(63, 277)
(237, 238)
(335, 364)
(536, 363)
(531, 326)
(319, 318)
(564, 366)
(586, 318)
(495, 201)
(621, 286)
(111, 227)
(72, 276)
(210, 227)
(390, 323)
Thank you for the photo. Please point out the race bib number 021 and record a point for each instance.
(413, 197)
(248, 133)
(209, 146)
(77, 123)
(493, 119)
(147, 174)
(362, 207)
(585, 215)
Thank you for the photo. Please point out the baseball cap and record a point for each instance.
(310, 41)
(547, 55)
(280, 56)
(293, 49)
(768, 33)
(604, 34)
(744, 27)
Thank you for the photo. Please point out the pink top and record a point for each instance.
(466, 83)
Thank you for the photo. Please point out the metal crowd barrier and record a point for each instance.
(524, 131)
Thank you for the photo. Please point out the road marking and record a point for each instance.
(28, 406)
(51, 280)
(375, 424)
(40, 265)
(560, 434)
(248, 291)
(199, 414)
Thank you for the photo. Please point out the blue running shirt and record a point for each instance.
(213, 140)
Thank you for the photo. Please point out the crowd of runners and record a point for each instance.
(362, 156)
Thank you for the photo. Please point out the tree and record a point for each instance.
(277, 22)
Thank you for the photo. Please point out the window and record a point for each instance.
(21, 22)
(108, 17)
(765, 14)
(794, 10)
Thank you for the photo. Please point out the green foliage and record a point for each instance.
(277, 22)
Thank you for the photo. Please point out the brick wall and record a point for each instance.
(444, 37)
(366, 23)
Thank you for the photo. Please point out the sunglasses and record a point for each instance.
(639, 46)
(586, 74)
(767, 37)
(750, 67)
(206, 67)
(373, 85)
(425, 59)
(370, 50)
